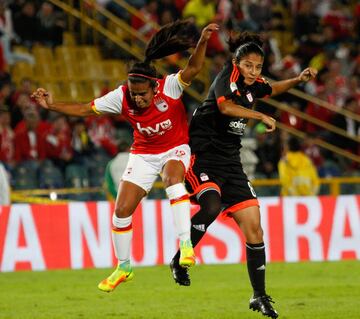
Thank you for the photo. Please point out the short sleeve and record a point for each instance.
(222, 86)
(110, 103)
(263, 88)
(174, 85)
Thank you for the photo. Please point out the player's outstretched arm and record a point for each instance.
(44, 99)
(282, 86)
(196, 60)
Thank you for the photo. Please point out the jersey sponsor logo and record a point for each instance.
(237, 127)
(159, 128)
(161, 104)
(204, 177)
(250, 97)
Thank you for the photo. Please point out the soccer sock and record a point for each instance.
(121, 237)
(180, 205)
(256, 262)
(210, 207)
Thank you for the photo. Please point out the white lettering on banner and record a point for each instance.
(21, 217)
(168, 232)
(98, 242)
(265, 203)
(346, 209)
(150, 237)
(231, 240)
(293, 231)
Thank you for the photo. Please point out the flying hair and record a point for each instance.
(171, 38)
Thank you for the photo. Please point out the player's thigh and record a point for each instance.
(141, 170)
(200, 178)
(175, 163)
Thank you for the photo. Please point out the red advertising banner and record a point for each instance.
(77, 235)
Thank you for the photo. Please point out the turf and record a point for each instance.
(328, 290)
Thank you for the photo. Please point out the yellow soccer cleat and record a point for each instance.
(187, 255)
(120, 274)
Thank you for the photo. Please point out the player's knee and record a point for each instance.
(214, 210)
(172, 180)
(257, 233)
(123, 210)
(210, 203)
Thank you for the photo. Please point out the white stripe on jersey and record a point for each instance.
(173, 87)
(111, 102)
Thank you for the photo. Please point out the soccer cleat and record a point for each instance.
(263, 304)
(179, 274)
(187, 255)
(122, 273)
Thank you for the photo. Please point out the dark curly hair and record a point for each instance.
(244, 43)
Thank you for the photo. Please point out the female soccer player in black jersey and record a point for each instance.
(216, 178)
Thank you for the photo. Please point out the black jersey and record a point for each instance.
(216, 134)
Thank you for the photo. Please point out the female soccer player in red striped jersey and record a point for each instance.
(154, 108)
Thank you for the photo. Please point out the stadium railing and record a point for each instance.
(331, 186)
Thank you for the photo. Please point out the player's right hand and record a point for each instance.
(269, 122)
(42, 97)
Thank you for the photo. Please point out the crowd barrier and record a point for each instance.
(77, 235)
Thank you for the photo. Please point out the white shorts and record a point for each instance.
(143, 169)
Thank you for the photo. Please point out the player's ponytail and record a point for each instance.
(170, 39)
(245, 43)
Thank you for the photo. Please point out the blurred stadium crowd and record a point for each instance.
(40, 149)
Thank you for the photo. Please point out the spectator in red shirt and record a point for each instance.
(149, 13)
(102, 133)
(58, 142)
(6, 137)
(30, 137)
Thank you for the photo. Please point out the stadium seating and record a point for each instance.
(25, 175)
(50, 176)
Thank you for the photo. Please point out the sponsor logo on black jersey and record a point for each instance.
(236, 127)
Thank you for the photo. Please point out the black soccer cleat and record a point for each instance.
(180, 274)
(263, 304)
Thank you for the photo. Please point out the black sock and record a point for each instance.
(256, 262)
(210, 207)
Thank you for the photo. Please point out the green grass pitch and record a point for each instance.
(328, 290)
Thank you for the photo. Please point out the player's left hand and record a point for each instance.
(307, 74)
(208, 30)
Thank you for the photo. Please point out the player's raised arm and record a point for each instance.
(284, 85)
(44, 99)
(196, 60)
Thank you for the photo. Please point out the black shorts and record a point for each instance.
(228, 179)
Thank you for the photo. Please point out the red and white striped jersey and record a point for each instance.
(157, 128)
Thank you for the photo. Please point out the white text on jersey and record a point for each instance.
(159, 128)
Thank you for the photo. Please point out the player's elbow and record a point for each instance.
(224, 108)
